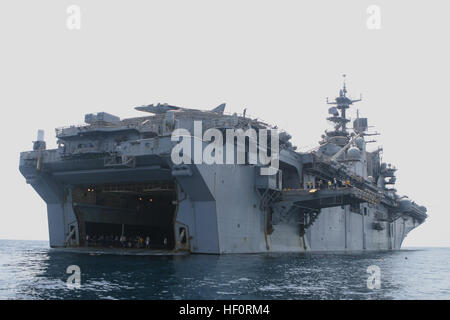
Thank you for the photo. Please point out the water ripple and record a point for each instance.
(29, 270)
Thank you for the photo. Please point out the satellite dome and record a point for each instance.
(353, 154)
(333, 111)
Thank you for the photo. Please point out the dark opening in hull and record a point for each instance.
(126, 215)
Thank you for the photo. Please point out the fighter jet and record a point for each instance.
(158, 109)
(164, 107)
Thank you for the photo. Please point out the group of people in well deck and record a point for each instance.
(120, 241)
(331, 184)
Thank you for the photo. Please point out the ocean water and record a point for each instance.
(30, 270)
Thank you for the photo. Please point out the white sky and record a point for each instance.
(278, 59)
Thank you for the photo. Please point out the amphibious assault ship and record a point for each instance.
(112, 182)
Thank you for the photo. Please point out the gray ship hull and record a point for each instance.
(114, 183)
(218, 207)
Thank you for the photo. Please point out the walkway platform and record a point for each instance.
(325, 198)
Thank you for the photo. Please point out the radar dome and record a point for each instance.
(353, 154)
(333, 111)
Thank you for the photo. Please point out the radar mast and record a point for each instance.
(338, 114)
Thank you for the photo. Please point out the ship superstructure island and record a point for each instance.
(113, 183)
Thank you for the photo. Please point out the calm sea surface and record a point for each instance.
(30, 270)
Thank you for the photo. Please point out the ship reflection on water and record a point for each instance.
(29, 270)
